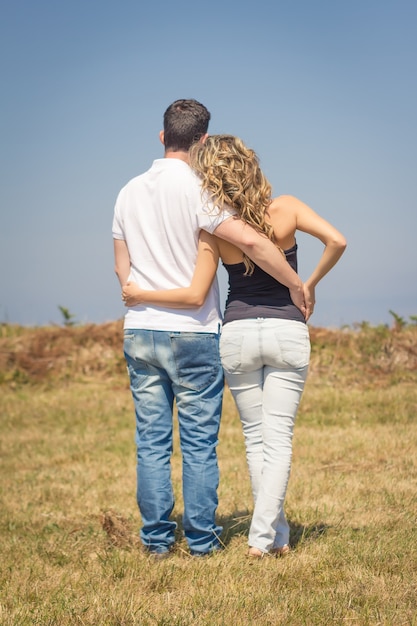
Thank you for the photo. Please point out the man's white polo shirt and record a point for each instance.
(160, 214)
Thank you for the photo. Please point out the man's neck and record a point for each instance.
(182, 156)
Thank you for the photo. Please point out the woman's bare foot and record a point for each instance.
(283, 551)
(255, 553)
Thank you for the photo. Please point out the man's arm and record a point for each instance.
(265, 254)
(121, 260)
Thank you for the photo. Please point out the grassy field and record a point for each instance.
(69, 521)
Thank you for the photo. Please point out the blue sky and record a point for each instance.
(325, 92)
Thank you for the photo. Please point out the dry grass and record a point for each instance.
(69, 522)
(51, 354)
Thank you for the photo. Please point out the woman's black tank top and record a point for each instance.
(259, 295)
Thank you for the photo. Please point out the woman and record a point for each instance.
(264, 345)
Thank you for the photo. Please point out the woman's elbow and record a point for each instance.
(337, 243)
(197, 300)
(341, 243)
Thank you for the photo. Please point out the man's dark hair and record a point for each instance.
(185, 122)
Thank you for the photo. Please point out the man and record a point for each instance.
(172, 354)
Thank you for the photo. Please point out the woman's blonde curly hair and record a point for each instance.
(231, 175)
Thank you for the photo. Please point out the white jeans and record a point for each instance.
(265, 363)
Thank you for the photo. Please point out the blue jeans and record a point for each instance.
(184, 366)
(265, 363)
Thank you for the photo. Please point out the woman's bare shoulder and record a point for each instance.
(283, 208)
(282, 215)
(284, 203)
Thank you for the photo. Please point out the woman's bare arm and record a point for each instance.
(308, 221)
(190, 297)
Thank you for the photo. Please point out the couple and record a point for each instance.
(208, 199)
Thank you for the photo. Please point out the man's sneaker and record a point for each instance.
(158, 556)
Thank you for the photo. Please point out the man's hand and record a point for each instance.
(310, 299)
(297, 296)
